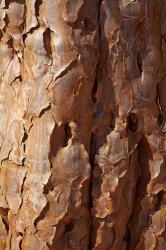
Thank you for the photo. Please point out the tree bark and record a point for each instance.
(82, 124)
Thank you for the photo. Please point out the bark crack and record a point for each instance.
(92, 140)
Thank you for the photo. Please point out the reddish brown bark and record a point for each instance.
(82, 124)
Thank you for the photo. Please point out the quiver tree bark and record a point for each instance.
(82, 124)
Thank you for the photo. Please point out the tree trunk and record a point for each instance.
(82, 124)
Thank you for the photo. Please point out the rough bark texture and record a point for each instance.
(82, 124)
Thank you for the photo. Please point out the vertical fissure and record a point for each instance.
(143, 178)
(95, 85)
(92, 139)
(38, 3)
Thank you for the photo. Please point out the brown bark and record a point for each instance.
(82, 124)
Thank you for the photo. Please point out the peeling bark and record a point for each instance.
(82, 124)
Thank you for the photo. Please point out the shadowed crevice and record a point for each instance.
(137, 221)
(38, 3)
(67, 133)
(42, 214)
(47, 41)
